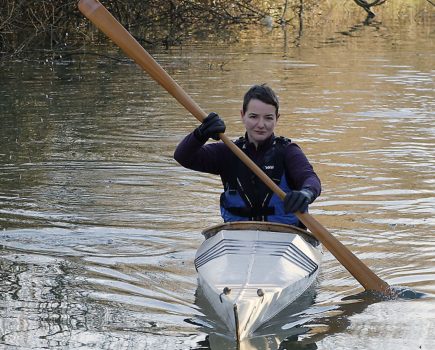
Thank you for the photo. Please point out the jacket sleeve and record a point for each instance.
(300, 172)
(195, 155)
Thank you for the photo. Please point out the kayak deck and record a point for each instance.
(250, 271)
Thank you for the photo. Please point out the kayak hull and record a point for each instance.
(250, 271)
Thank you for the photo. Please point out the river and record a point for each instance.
(99, 225)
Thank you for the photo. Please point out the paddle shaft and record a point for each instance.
(104, 20)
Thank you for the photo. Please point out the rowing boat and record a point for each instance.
(250, 271)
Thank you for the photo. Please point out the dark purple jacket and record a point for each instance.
(214, 158)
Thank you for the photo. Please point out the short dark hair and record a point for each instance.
(263, 93)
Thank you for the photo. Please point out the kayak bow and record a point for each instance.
(250, 271)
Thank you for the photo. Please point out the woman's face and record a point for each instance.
(260, 120)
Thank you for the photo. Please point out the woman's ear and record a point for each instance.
(277, 116)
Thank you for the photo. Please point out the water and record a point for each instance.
(100, 225)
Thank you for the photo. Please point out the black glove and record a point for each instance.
(211, 126)
(298, 201)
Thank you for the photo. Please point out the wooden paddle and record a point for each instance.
(102, 18)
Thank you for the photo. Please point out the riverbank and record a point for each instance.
(56, 28)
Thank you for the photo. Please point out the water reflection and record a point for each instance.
(100, 225)
(302, 325)
(78, 288)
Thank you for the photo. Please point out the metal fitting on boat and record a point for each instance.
(260, 292)
(226, 291)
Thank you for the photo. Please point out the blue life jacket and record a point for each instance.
(247, 198)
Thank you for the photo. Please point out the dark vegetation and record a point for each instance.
(56, 27)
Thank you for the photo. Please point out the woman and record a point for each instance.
(245, 197)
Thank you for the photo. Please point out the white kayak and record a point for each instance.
(250, 271)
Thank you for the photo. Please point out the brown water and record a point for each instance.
(100, 225)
